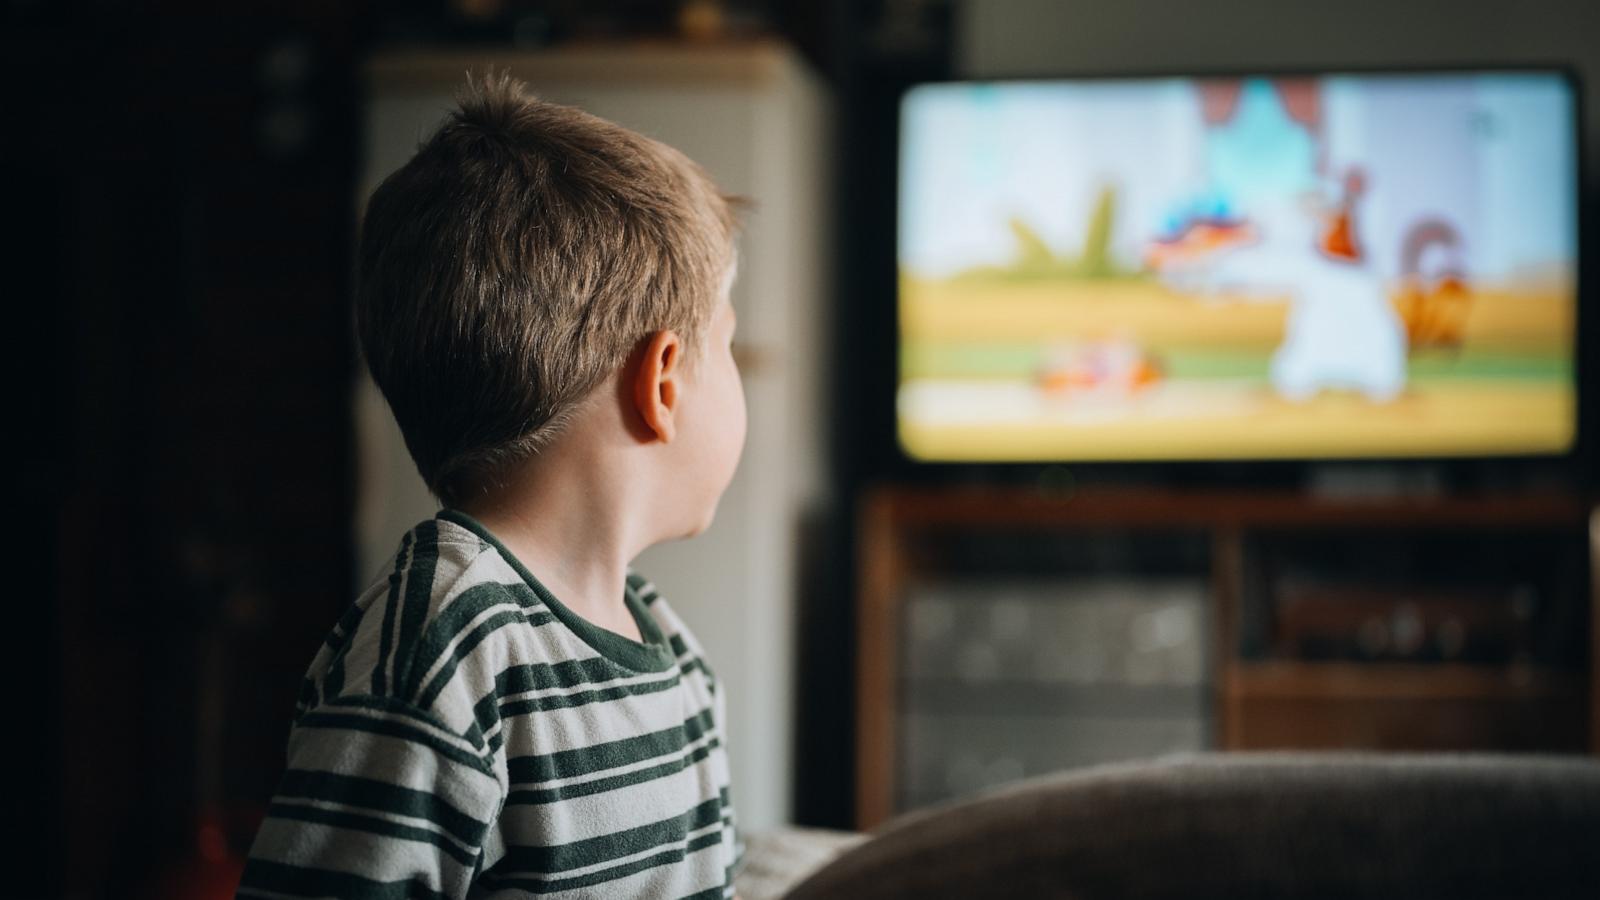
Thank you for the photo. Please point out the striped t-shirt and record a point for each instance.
(461, 733)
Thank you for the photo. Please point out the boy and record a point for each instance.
(543, 300)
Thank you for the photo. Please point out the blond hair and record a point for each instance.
(517, 261)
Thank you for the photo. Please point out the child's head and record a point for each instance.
(521, 258)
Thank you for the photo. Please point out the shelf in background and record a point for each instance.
(1397, 681)
(978, 506)
(1396, 706)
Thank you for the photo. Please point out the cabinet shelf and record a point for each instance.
(1287, 679)
(1401, 706)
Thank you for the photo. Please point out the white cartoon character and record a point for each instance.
(1342, 331)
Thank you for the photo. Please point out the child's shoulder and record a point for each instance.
(413, 632)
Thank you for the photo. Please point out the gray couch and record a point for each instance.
(1242, 825)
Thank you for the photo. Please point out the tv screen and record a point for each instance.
(1339, 266)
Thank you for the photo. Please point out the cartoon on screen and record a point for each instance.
(1237, 268)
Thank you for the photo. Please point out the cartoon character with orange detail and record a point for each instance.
(1432, 304)
(1115, 367)
(1342, 331)
(1205, 228)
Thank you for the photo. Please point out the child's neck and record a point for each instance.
(567, 518)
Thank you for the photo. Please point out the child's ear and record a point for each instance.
(656, 383)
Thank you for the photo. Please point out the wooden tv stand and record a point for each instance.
(1257, 703)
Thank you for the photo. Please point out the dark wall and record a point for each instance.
(178, 235)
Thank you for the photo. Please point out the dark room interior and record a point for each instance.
(1043, 560)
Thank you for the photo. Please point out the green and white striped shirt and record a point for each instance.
(461, 733)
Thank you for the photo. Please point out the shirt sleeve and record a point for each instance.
(379, 800)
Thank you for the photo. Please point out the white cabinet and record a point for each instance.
(756, 119)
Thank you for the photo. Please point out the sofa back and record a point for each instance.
(1284, 825)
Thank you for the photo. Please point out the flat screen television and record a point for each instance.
(1308, 267)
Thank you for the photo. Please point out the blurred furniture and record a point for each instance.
(756, 118)
(1250, 825)
(1338, 623)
